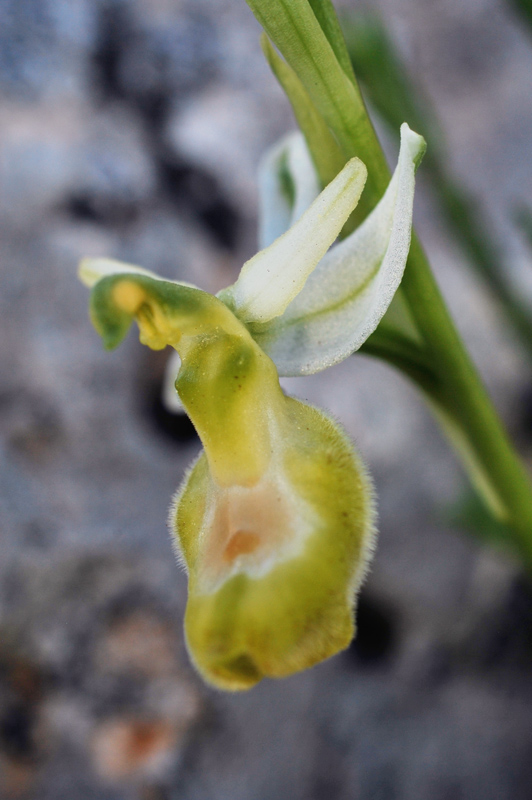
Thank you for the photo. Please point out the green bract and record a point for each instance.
(275, 520)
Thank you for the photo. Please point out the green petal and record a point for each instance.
(228, 386)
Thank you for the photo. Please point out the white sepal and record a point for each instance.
(348, 293)
(288, 184)
(92, 270)
(170, 397)
(270, 280)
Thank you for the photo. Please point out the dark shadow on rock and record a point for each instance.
(376, 638)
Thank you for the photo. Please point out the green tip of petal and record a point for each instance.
(414, 143)
(111, 322)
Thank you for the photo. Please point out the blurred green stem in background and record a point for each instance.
(523, 219)
(396, 98)
(524, 8)
(429, 350)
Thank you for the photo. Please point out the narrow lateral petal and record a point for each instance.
(348, 293)
(270, 280)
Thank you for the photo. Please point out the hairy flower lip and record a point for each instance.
(297, 608)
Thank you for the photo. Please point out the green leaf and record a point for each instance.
(384, 77)
(326, 16)
(293, 28)
(470, 514)
(524, 8)
(327, 156)
(396, 98)
(522, 216)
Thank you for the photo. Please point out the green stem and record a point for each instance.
(439, 365)
(396, 98)
(406, 355)
(442, 369)
(492, 461)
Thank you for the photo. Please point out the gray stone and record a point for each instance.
(132, 129)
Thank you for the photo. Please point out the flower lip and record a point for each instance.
(286, 603)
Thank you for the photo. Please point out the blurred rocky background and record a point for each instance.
(132, 129)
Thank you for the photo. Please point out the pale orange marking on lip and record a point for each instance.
(241, 543)
(249, 525)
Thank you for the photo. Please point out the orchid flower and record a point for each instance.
(275, 521)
